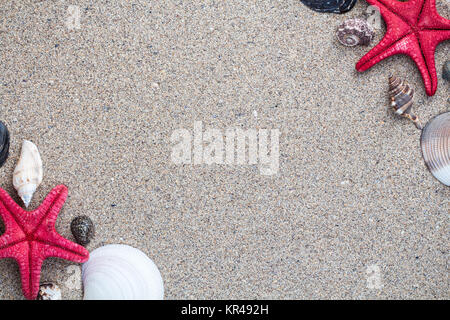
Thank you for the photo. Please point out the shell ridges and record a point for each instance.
(435, 143)
(121, 272)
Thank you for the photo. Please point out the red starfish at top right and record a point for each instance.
(414, 28)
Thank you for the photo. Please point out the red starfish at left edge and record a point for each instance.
(30, 237)
(414, 28)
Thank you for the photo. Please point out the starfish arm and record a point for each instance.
(400, 30)
(29, 220)
(7, 208)
(30, 262)
(52, 204)
(430, 18)
(5, 241)
(8, 203)
(429, 40)
(10, 249)
(13, 233)
(59, 247)
(409, 10)
(8, 240)
(30, 287)
(409, 46)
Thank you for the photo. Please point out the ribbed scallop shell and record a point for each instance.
(435, 143)
(121, 272)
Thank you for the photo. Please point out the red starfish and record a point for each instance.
(30, 237)
(414, 28)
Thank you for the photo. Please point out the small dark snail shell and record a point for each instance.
(82, 229)
(401, 96)
(4, 143)
(354, 32)
(446, 70)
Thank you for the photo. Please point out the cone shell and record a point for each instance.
(121, 272)
(435, 143)
(354, 32)
(28, 172)
(4, 143)
(401, 95)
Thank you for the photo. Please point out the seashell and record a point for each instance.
(4, 143)
(121, 272)
(446, 70)
(401, 96)
(82, 229)
(354, 32)
(435, 143)
(330, 6)
(49, 291)
(28, 172)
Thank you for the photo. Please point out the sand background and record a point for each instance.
(101, 104)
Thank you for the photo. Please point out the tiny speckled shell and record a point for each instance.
(49, 291)
(354, 32)
(4, 143)
(82, 229)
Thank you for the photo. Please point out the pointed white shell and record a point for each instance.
(28, 172)
(121, 272)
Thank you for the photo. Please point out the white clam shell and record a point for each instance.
(435, 142)
(121, 272)
(28, 172)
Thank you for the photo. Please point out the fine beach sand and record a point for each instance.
(102, 101)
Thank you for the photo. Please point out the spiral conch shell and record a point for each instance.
(121, 272)
(354, 32)
(401, 96)
(28, 172)
(435, 142)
